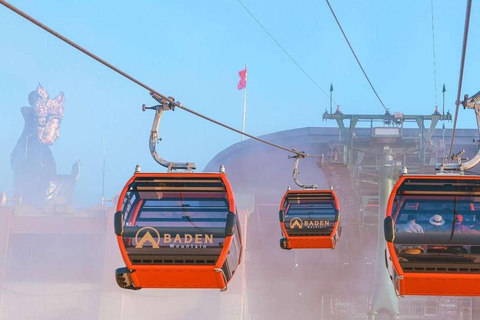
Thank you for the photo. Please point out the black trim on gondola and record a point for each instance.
(231, 223)
(118, 223)
(444, 186)
(311, 232)
(142, 184)
(389, 229)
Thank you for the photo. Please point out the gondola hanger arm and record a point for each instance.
(468, 103)
(297, 157)
(165, 105)
(473, 103)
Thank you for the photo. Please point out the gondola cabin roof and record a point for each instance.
(148, 185)
(437, 184)
(318, 195)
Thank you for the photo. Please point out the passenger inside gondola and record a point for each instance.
(450, 240)
(412, 227)
(436, 225)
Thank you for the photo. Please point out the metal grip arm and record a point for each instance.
(468, 103)
(472, 103)
(295, 174)
(165, 105)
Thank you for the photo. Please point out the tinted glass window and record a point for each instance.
(436, 220)
(175, 227)
(309, 216)
(437, 233)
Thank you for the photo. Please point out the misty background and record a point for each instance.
(193, 51)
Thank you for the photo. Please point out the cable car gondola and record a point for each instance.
(309, 219)
(432, 229)
(177, 230)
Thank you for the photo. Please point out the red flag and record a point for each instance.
(243, 79)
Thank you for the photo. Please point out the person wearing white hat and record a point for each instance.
(436, 225)
(437, 221)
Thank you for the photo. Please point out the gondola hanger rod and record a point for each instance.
(462, 67)
(468, 103)
(295, 173)
(141, 84)
(154, 138)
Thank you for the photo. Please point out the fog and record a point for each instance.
(59, 264)
(58, 261)
(62, 265)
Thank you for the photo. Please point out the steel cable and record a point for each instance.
(284, 51)
(150, 89)
(462, 66)
(355, 55)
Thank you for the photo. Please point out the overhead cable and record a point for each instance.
(355, 55)
(151, 90)
(462, 66)
(284, 51)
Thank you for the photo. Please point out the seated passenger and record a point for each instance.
(460, 228)
(436, 225)
(412, 226)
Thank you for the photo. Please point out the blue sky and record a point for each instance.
(193, 50)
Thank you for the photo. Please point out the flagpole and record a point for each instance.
(244, 103)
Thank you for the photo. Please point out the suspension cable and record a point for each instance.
(355, 55)
(172, 102)
(285, 51)
(434, 58)
(462, 66)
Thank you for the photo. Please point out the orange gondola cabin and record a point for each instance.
(432, 229)
(177, 230)
(309, 219)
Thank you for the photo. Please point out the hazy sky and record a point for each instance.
(193, 50)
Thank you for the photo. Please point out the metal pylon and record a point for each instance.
(384, 300)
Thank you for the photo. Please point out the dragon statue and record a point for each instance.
(35, 177)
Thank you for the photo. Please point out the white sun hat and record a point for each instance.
(437, 220)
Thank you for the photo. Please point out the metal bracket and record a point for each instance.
(165, 105)
(297, 158)
(397, 285)
(468, 103)
(224, 278)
